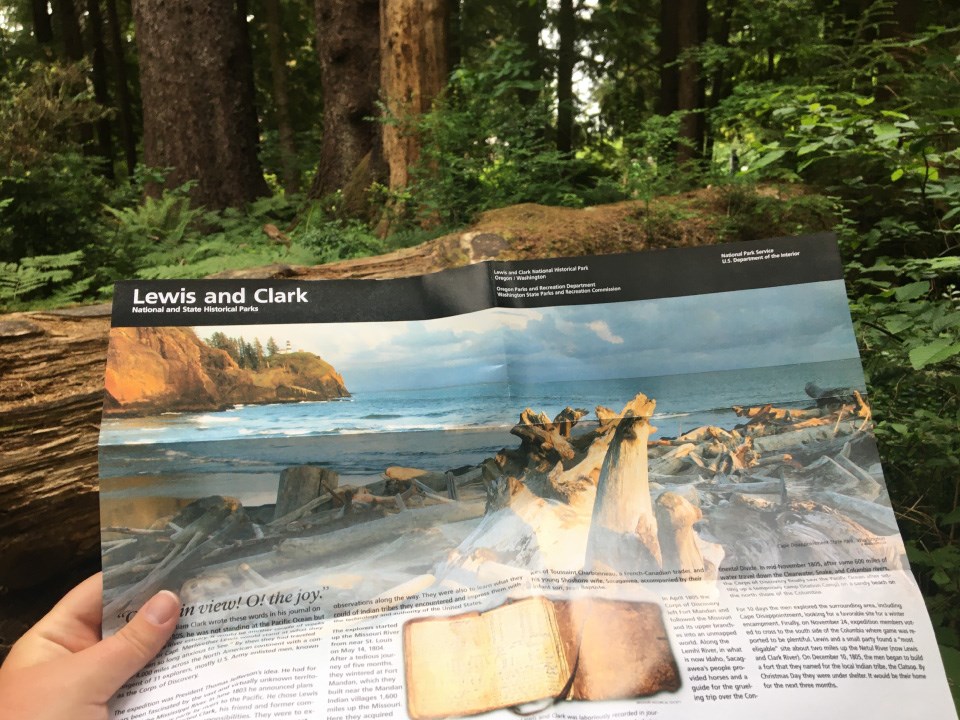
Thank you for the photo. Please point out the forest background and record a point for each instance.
(178, 138)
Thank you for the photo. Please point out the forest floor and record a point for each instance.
(528, 231)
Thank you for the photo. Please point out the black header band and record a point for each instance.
(521, 284)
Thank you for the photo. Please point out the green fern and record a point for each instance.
(50, 273)
(159, 220)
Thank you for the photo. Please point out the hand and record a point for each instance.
(61, 669)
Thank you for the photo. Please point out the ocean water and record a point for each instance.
(683, 402)
(241, 451)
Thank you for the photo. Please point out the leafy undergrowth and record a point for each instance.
(165, 238)
(700, 217)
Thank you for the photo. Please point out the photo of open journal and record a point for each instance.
(536, 649)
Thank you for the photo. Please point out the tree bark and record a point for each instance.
(300, 485)
(905, 16)
(900, 25)
(198, 105)
(529, 21)
(51, 378)
(100, 92)
(669, 51)
(413, 71)
(66, 13)
(566, 60)
(281, 101)
(690, 89)
(454, 41)
(128, 134)
(348, 44)
(72, 50)
(719, 83)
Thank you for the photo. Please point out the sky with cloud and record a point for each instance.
(667, 336)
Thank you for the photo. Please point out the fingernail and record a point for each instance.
(161, 608)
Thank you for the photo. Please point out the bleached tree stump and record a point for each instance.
(623, 530)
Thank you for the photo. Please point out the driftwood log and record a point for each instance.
(301, 485)
(623, 529)
(675, 518)
(51, 385)
(51, 392)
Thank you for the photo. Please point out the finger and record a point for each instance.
(111, 662)
(71, 626)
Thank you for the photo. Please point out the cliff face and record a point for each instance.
(155, 370)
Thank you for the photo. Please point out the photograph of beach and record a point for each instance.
(255, 456)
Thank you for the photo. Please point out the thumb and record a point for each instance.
(114, 660)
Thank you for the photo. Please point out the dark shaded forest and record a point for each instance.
(176, 138)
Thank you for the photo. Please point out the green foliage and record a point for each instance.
(874, 160)
(54, 192)
(753, 213)
(54, 206)
(871, 128)
(646, 160)
(164, 237)
(301, 73)
(623, 65)
(39, 103)
(333, 238)
(246, 354)
(54, 277)
(162, 219)
(908, 320)
(483, 147)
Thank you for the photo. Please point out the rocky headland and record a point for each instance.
(170, 369)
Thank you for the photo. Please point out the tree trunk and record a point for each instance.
(529, 22)
(301, 484)
(72, 49)
(719, 84)
(566, 59)
(669, 50)
(128, 134)
(51, 377)
(454, 40)
(899, 26)
(690, 90)
(42, 24)
(278, 74)
(100, 92)
(413, 71)
(69, 29)
(348, 43)
(905, 16)
(198, 106)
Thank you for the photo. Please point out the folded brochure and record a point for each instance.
(599, 487)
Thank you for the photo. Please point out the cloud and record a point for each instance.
(603, 332)
(721, 331)
(490, 321)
